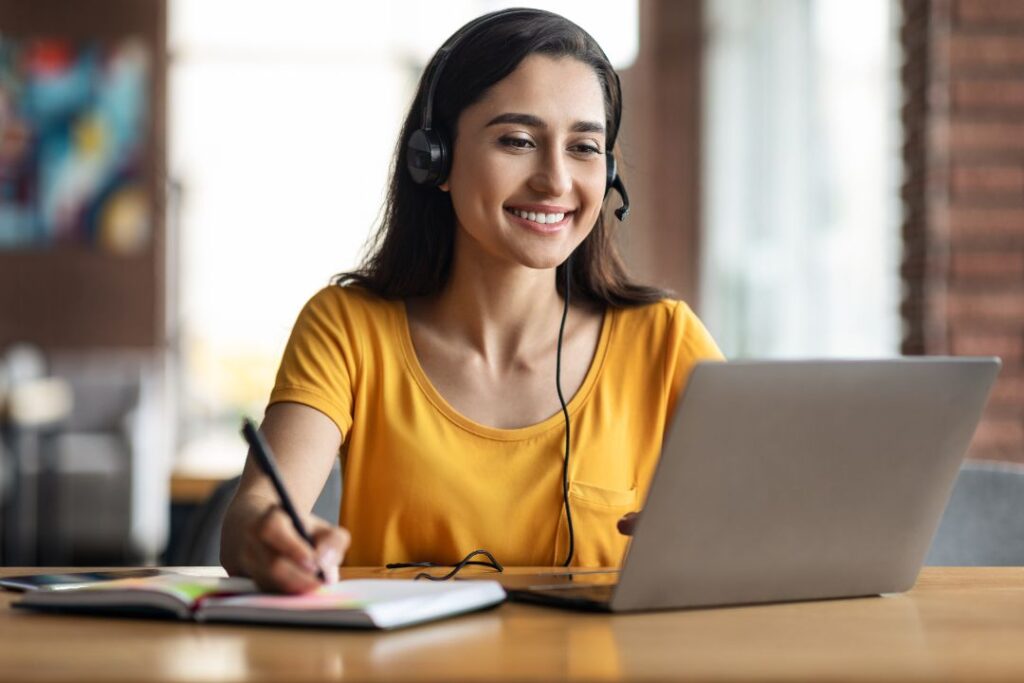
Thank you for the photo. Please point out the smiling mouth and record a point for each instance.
(545, 222)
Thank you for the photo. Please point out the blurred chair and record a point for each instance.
(35, 414)
(34, 407)
(983, 525)
(199, 545)
(106, 462)
(87, 454)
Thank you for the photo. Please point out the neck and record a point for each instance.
(504, 313)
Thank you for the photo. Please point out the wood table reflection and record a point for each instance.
(962, 624)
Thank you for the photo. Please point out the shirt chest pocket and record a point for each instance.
(595, 511)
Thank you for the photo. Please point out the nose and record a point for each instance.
(552, 176)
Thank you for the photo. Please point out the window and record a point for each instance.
(801, 233)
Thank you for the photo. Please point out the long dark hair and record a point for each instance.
(411, 252)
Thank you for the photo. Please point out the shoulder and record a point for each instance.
(346, 306)
(671, 324)
(347, 318)
(350, 298)
(335, 329)
(658, 316)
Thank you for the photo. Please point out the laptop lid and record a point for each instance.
(798, 480)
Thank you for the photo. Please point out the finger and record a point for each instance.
(273, 572)
(289, 577)
(276, 531)
(627, 524)
(331, 543)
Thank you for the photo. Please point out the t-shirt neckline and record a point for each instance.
(412, 361)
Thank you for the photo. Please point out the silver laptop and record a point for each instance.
(791, 480)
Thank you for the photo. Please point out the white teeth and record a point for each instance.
(542, 218)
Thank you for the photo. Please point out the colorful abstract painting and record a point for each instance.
(74, 124)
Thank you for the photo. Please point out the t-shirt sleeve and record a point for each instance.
(690, 342)
(320, 361)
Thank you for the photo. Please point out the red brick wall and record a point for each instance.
(964, 196)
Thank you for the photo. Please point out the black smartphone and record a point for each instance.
(34, 582)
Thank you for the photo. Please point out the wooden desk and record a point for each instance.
(963, 624)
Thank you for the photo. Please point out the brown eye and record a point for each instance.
(586, 149)
(516, 143)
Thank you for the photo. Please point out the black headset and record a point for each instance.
(428, 153)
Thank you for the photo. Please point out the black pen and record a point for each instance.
(261, 448)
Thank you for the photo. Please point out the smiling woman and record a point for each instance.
(438, 367)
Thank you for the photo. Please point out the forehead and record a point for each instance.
(551, 87)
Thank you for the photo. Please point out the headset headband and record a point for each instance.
(479, 23)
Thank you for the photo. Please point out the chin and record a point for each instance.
(542, 256)
(542, 261)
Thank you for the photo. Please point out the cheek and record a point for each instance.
(476, 184)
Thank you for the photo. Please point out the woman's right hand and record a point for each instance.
(258, 539)
(278, 559)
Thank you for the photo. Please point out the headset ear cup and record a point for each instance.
(615, 182)
(426, 157)
(612, 171)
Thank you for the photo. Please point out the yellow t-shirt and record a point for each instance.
(422, 482)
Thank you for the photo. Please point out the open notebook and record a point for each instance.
(357, 603)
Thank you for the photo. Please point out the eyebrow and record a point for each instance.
(537, 122)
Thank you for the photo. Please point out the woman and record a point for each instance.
(440, 368)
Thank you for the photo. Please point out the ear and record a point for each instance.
(444, 187)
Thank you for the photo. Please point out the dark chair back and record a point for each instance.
(983, 524)
(199, 544)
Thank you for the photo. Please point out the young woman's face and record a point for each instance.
(528, 168)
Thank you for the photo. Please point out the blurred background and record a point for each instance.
(817, 178)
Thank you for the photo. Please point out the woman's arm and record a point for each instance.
(258, 539)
